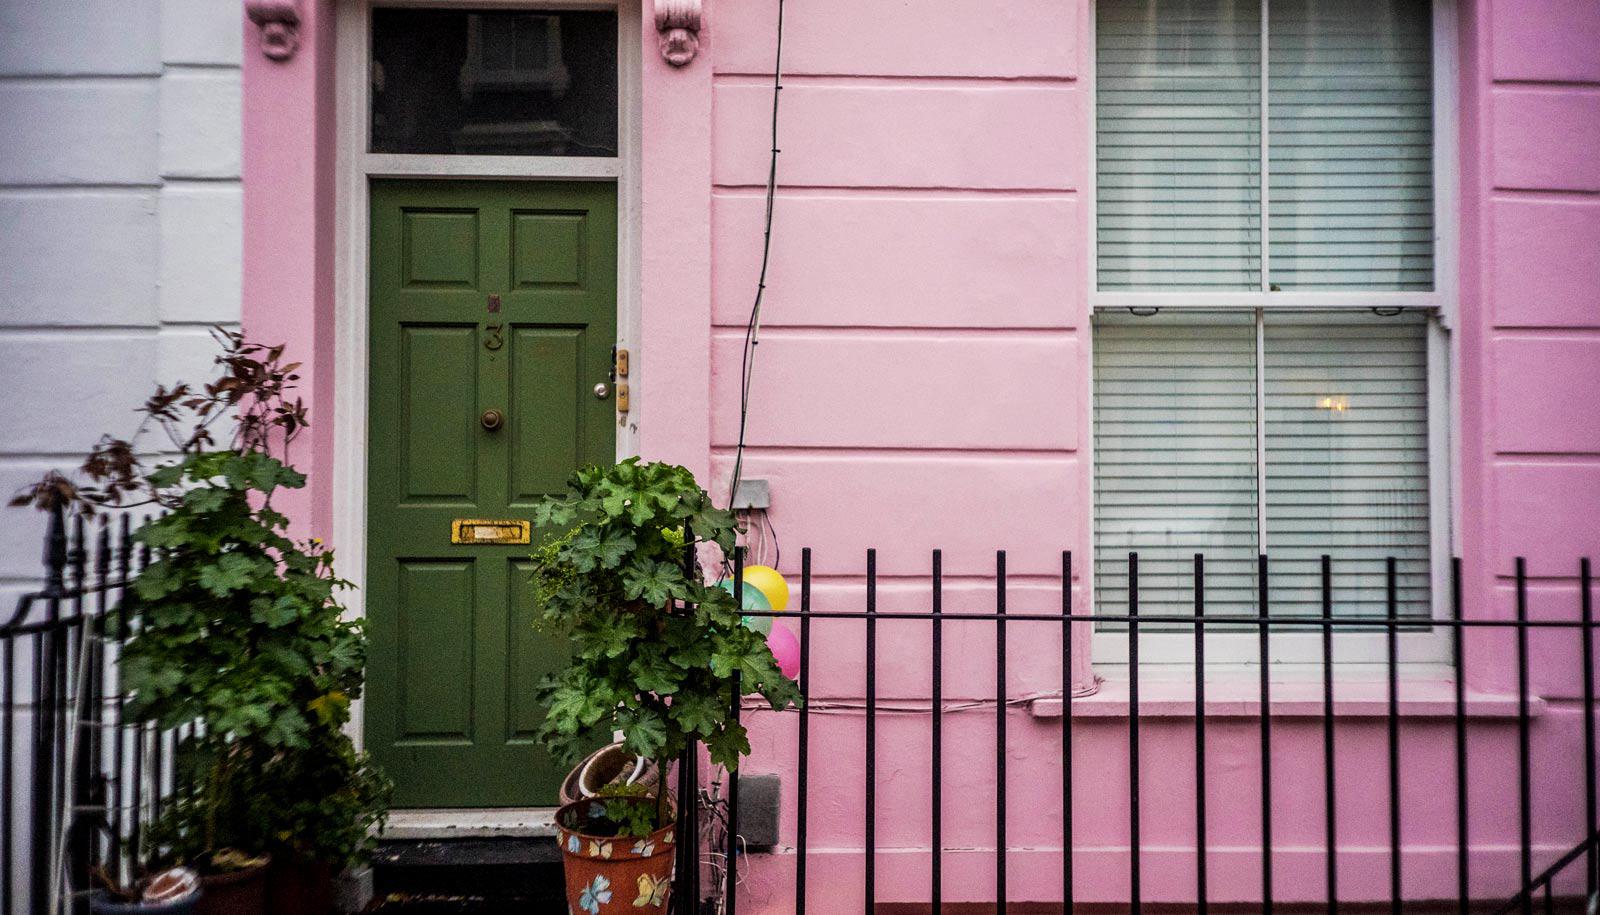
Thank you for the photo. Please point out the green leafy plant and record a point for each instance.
(331, 802)
(628, 811)
(236, 625)
(657, 653)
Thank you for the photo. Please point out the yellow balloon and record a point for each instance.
(767, 580)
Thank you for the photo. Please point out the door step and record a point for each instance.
(468, 875)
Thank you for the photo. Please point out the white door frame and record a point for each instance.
(355, 167)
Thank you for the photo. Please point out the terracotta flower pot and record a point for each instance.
(240, 892)
(613, 874)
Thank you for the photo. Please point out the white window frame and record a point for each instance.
(1424, 653)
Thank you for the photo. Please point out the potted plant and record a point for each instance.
(236, 626)
(657, 654)
(215, 823)
(337, 802)
(170, 892)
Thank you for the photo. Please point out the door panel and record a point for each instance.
(547, 366)
(438, 381)
(483, 296)
(433, 605)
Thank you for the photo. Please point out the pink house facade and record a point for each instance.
(942, 333)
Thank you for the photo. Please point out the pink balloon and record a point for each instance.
(785, 650)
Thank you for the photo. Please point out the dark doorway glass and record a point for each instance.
(494, 82)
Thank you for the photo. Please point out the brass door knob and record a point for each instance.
(492, 419)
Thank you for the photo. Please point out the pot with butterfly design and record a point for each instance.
(612, 869)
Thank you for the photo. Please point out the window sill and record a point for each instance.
(1238, 697)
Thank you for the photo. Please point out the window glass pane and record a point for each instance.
(1175, 459)
(1177, 110)
(494, 82)
(1350, 112)
(1347, 460)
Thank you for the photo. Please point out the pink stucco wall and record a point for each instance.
(923, 382)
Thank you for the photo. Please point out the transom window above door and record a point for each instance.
(1265, 145)
(494, 82)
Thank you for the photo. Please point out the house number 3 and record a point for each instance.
(493, 340)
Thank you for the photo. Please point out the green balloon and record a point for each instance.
(753, 600)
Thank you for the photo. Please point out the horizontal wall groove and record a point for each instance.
(1510, 458)
(110, 330)
(1576, 85)
(19, 189)
(898, 81)
(922, 578)
(881, 452)
(1544, 193)
(181, 180)
(887, 190)
(780, 330)
(78, 79)
(1544, 332)
(53, 457)
(198, 67)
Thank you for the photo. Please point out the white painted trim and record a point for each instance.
(398, 165)
(1310, 301)
(1262, 545)
(1420, 653)
(436, 823)
(1264, 145)
(354, 167)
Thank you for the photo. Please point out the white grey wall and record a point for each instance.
(119, 223)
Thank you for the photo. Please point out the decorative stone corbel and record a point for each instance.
(678, 21)
(279, 21)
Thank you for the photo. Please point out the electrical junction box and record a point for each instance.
(751, 494)
(758, 810)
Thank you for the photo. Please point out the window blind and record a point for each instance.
(1343, 424)
(1175, 459)
(1178, 117)
(1347, 459)
(1348, 145)
(1350, 134)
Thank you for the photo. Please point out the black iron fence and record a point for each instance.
(1522, 888)
(79, 778)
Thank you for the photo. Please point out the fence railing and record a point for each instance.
(1520, 890)
(80, 779)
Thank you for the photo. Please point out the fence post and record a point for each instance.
(46, 661)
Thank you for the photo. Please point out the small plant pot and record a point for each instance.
(240, 892)
(299, 886)
(613, 873)
(103, 903)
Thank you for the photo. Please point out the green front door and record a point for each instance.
(493, 317)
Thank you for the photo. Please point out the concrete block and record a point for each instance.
(186, 354)
(78, 258)
(80, 37)
(201, 32)
(60, 392)
(201, 126)
(80, 132)
(201, 250)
